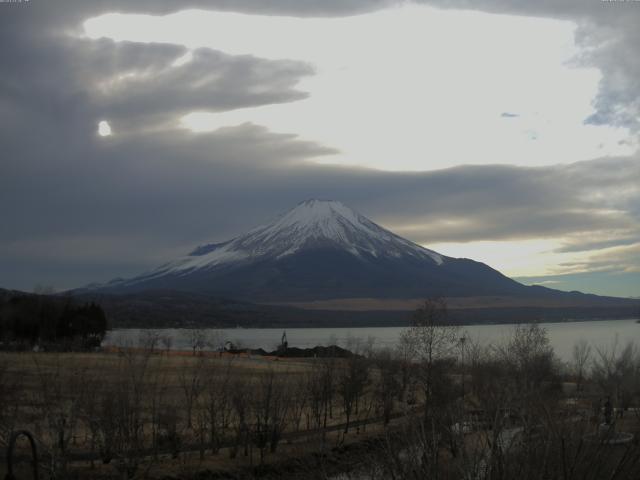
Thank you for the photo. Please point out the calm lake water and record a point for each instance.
(563, 336)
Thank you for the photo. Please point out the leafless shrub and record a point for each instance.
(197, 339)
(191, 380)
(167, 342)
(11, 393)
(299, 388)
(616, 371)
(353, 376)
(120, 414)
(269, 410)
(580, 356)
(239, 397)
(387, 383)
(149, 340)
(216, 405)
(57, 403)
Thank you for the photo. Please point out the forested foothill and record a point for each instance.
(48, 322)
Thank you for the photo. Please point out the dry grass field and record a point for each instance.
(161, 413)
(505, 411)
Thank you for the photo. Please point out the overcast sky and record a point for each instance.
(503, 131)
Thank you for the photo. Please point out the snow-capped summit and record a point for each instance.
(319, 249)
(311, 224)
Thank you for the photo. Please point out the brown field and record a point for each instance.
(175, 385)
(511, 411)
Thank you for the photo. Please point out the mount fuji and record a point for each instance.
(321, 250)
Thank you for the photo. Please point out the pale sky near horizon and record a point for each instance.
(507, 134)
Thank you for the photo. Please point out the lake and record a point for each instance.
(563, 336)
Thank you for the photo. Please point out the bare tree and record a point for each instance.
(352, 379)
(616, 371)
(156, 394)
(405, 355)
(57, 401)
(580, 356)
(149, 340)
(321, 384)
(269, 408)
(191, 380)
(216, 402)
(167, 342)
(214, 340)
(197, 340)
(387, 386)
(316, 387)
(239, 390)
(431, 338)
(530, 356)
(11, 391)
(124, 412)
(299, 390)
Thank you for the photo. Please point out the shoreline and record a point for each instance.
(304, 326)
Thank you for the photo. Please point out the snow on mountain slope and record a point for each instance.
(322, 250)
(313, 223)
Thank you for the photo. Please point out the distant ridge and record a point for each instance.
(175, 309)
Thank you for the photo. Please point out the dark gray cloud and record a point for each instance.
(503, 202)
(585, 243)
(139, 200)
(623, 259)
(90, 80)
(211, 81)
(77, 208)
